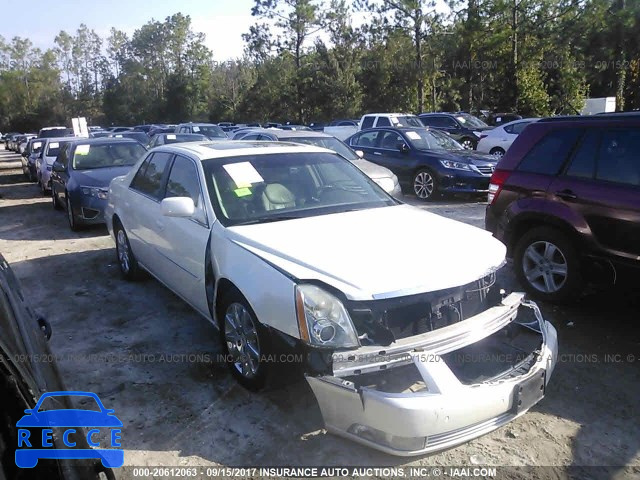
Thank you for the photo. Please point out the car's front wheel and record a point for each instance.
(127, 262)
(73, 221)
(425, 185)
(548, 265)
(244, 341)
(497, 152)
(468, 143)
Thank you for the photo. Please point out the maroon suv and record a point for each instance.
(565, 199)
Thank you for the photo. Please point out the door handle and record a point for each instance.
(377, 153)
(566, 194)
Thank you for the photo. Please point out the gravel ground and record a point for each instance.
(130, 344)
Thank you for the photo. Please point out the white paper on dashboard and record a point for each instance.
(243, 174)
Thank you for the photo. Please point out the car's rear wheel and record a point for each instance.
(244, 341)
(548, 265)
(129, 268)
(497, 152)
(468, 143)
(425, 185)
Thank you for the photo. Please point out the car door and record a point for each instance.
(184, 240)
(60, 172)
(387, 150)
(145, 218)
(601, 184)
(366, 143)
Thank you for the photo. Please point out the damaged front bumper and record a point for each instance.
(432, 391)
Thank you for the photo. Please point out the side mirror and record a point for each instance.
(178, 207)
(403, 147)
(58, 167)
(360, 153)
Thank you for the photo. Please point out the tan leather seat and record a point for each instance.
(276, 196)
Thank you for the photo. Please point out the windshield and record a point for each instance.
(470, 121)
(211, 131)
(432, 140)
(264, 188)
(406, 121)
(106, 155)
(326, 142)
(55, 132)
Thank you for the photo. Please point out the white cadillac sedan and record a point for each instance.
(393, 314)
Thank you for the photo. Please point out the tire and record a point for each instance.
(425, 185)
(54, 199)
(468, 143)
(73, 221)
(129, 267)
(548, 265)
(497, 152)
(244, 340)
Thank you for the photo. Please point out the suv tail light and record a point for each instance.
(495, 184)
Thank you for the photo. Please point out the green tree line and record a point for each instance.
(315, 60)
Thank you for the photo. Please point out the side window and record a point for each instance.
(183, 180)
(346, 124)
(619, 156)
(550, 153)
(391, 140)
(517, 128)
(367, 122)
(383, 122)
(367, 139)
(63, 156)
(583, 163)
(252, 136)
(148, 179)
(449, 123)
(434, 121)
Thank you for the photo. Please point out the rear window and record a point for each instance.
(550, 153)
(367, 122)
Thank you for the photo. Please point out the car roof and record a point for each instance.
(235, 148)
(197, 124)
(604, 117)
(102, 140)
(386, 114)
(288, 133)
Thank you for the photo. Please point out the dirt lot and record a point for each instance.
(130, 344)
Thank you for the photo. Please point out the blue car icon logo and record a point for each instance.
(69, 426)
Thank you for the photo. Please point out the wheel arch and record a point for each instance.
(527, 222)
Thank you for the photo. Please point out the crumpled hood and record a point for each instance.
(99, 177)
(376, 253)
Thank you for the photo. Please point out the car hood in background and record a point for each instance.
(372, 170)
(376, 253)
(466, 156)
(99, 177)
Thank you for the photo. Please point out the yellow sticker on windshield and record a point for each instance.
(242, 192)
(82, 149)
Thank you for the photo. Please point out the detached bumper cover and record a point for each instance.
(444, 412)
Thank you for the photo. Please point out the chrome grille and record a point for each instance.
(485, 169)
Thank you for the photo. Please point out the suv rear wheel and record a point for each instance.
(547, 265)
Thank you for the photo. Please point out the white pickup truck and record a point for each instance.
(373, 120)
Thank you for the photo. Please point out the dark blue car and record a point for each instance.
(82, 173)
(72, 425)
(427, 162)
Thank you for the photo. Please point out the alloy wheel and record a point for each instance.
(423, 185)
(123, 251)
(468, 144)
(241, 336)
(545, 266)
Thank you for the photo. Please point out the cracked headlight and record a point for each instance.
(455, 165)
(322, 319)
(98, 192)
